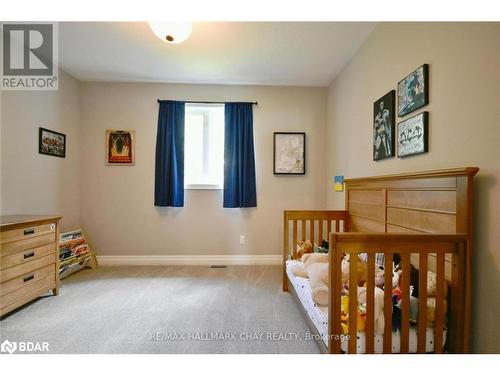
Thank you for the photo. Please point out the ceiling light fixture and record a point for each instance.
(171, 32)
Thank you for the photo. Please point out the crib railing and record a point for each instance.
(421, 247)
(314, 225)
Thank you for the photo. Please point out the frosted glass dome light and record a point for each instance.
(171, 32)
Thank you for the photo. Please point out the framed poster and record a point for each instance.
(120, 147)
(51, 143)
(289, 153)
(413, 91)
(383, 127)
(413, 135)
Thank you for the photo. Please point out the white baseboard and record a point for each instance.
(188, 260)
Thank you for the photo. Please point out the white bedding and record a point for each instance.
(319, 316)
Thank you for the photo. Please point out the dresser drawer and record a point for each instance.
(26, 256)
(26, 232)
(22, 269)
(18, 297)
(26, 279)
(14, 247)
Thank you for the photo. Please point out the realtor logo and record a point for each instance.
(24, 346)
(8, 347)
(29, 56)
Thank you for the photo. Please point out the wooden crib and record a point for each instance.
(426, 218)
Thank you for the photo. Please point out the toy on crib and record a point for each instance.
(300, 269)
(319, 282)
(315, 267)
(304, 247)
(361, 270)
(379, 320)
(323, 249)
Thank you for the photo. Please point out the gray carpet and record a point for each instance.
(186, 309)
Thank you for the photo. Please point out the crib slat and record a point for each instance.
(388, 303)
(438, 323)
(457, 299)
(353, 303)
(320, 235)
(311, 231)
(303, 230)
(422, 302)
(337, 226)
(370, 304)
(294, 236)
(334, 308)
(328, 228)
(405, 312)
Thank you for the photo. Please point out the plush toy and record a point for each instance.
(307, 259)
(319, 282)
(379, 319)
(323, 248)
(304, 247)
(361, 270)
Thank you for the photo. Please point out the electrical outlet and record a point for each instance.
(242, 239)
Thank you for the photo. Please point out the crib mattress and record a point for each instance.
(319, 317)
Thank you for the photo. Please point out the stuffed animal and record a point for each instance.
(304, 247)
(319, 282)
(361, 270)
(379, 319)
(307, 259)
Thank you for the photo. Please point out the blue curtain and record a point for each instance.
(169, 172)
(239, 159)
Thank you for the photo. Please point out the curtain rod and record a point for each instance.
(208, 102)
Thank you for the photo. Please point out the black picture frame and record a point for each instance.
(384, 120)
(417, 80)
(416, 130)
(54, 148)
(300, 168)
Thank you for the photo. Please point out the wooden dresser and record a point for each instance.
(28, 259)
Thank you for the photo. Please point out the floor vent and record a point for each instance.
(215, 266)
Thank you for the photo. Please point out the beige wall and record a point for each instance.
(117, 201)
(32, 183)
(464, 128)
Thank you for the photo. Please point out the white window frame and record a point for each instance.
(206, 124)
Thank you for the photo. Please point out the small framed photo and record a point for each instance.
(289, 153)
(413, 135)
(383, 127)
(339, 183)
(413, 91)
(51, 143)
(120, 147)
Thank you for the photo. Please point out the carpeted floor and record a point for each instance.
(165, 310)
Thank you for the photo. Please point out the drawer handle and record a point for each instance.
(29, 231)
(28, 278)
(29, 255)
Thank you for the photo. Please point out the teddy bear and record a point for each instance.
(319, 282)
(300, 269)
(361, 269)
(379, 319)
(303, 247)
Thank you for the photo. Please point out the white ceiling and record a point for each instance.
(262, 53)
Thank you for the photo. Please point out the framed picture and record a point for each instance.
(51, 143)
(120, 147)
(339, 183)
(290, 153)
(413, 135)
(413, 91)
(383, 127)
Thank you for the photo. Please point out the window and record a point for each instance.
(204, 146)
